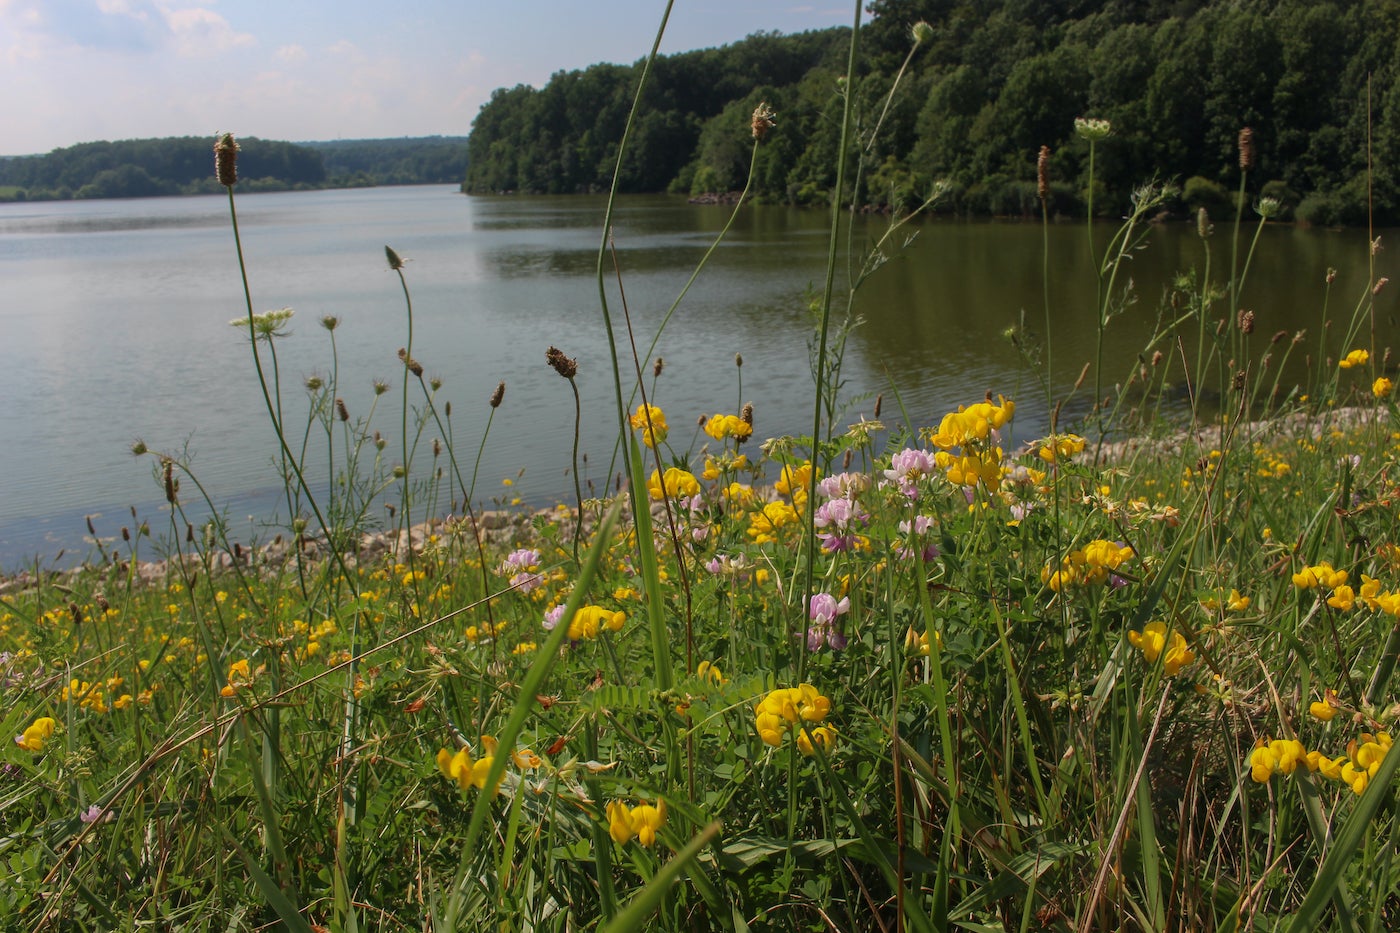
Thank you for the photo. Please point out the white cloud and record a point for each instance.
(198, 31)
(291, 53)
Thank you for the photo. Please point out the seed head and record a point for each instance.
(762, 121)
(1380, 284)
(380, 387)
(435, 383)
(499, 394)
(1157, 358)
(656, 367)
(1203, 225)
(330, 322)
(921, 32)
(313, 383)
(1246, 147)
(226, 160)
(1331, 276)
(1245, 320)
(341, 410)
(879, 401)
(395, 262)
(138, 447)
(563, 365)
(739, 360)
(1042, 174)
(170, 484)
(746, 414)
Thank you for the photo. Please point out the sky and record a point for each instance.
(81, 70)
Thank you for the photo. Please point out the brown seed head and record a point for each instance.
(1380, 284)
(1203, 227)
(341, 410)
(499, 394)
(1277, 337)
(101, 601)
(879, 401)
(1245, 320)
(1157, 358)
(739, 360)
(762, 121)
(226, 160)
(76, 613)
(656, 367)
(1246, 146)
(1331, 276)
(1042, 173)
(170, 482)
(746, 414)
(563, 365)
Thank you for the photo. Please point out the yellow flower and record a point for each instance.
(787, 707)
(711, 672)
(764, 524)
(1323, 709)
(642, 821)
(722, 426)
(1355, 358)
(1342, 598)
(465, 771)
(34, 737)
(240, 675)
(589, 619)
(821, 735)
(677, 483)
(1382, 387)
(1154, 639)
(1060, 447)
(652, 422)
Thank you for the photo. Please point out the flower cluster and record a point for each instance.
(1155, 640)
(589, 620)
(1354, 769)
(1091, 565)
(466, 771)
(674, 483)
(240, 676)
(94, 696)
(974, 430)
(1355, 358)
(721, 427)
(641, 822)
(1060, 447)
(651, 421)
(34, 737)
(823, 609)
(799, 708)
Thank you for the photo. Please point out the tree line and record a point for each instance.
(184, 165)
(988, 84)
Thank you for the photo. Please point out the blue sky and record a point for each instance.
(80, 70)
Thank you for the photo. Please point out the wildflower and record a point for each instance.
(552, 617)
(240, 675)
(843, 485)
(589, 619)
(652, 422)
(761, 123)
(1057, 448)
(465, 771)
(1281, 756)
(809, 739)
(710, 672)
(764, 524)
(721, 427)
(677, 483)
(823, 610)
(642, 821)
(1342, 598)
(1091, 129)
(784, 709)
(917, 643)
(226, 160)
(34, 737)
(837, 520)
(914, 531)
(1323, 710)
(1354, 358)
(268, 324)
(91, 815)
(1154, 640)
(907, 468)
(1319, 575)
(1382, 387)
(792, 482)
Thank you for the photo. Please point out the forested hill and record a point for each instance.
(185, 165)
(994, 81)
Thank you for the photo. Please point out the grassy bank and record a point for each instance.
(773, 684)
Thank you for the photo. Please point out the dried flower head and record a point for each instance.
(499, 394)
(563, 365)
(746, 414)
(395, 261)
(341, 411)
(1245, 320)
(1246, 147)
(226, 160)
(380, 386)
(1042, 174)
(762, 120)
(921, 32)
(170, 485)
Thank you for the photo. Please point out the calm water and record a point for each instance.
(114, 325)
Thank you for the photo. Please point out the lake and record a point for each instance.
(114, 326)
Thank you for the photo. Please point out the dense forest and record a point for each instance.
(993, 81)
(136, 168)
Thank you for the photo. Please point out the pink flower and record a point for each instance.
(552, 617)
(838, 519)
(907, 467)
(916, 531)
(823, 609)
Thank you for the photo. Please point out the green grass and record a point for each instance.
(1040, 694)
